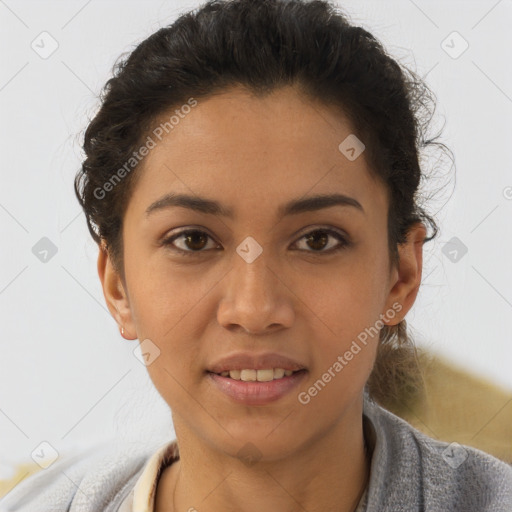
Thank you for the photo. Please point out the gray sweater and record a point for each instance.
(409, 472)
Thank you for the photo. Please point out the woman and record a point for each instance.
(252, 181)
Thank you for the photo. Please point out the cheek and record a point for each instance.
(346, 302)
(348, 345)
(344, 352)
(346, 319)
(177, 370)
(162, 295)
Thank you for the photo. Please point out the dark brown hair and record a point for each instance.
(264, 45)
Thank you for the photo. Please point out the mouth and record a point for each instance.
(245, 386)
(251, 375)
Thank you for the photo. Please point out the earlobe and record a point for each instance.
(407, 279)
(115, 294)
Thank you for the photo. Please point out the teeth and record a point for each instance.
(257, 375)
(249, 375)
(279, 373)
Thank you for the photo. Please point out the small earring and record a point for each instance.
(122, 331)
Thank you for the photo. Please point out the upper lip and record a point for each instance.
(246, 360)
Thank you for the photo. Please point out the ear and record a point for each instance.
(406, 279)
(115, 294)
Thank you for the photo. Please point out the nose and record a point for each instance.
(255, 297)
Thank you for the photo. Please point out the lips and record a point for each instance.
(245, 360)
(256, 393)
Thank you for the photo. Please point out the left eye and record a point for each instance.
(196, 241)
(319, 240)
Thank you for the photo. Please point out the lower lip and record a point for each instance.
(257, 393)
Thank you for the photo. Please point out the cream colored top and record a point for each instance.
(142, 496)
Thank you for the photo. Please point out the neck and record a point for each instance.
(329, 473)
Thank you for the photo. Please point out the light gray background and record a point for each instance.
(66, 375)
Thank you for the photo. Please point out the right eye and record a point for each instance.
(191, 240)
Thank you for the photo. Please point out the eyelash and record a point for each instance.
(344, 242)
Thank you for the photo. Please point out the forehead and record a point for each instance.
(251, 152)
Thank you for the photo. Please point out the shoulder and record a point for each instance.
(92, 479)
(412, 467)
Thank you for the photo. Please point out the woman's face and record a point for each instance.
(309, 284)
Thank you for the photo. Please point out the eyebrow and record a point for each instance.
(293, 207)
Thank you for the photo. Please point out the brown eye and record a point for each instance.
(196, 240)
(318, 239)
(190, 241)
